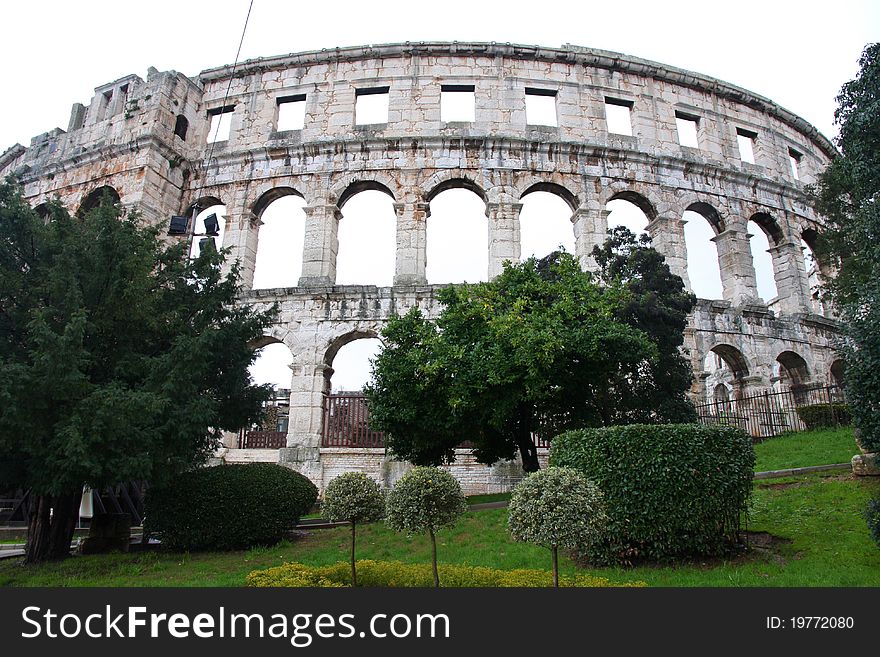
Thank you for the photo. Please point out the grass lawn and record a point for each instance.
(798, 450)
(825, 543)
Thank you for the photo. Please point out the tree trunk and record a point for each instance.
(354, 577)
(554, 551)
(527, 450)
(51, 527)
(434, 558)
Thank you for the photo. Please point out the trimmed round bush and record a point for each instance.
(228, 507)
(556, 507)
(671, 491)
(425, 500)
(353, 497)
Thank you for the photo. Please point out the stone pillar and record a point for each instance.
(590, 229)
(503, 234)
(307, 387)
(411, 258)
(241, 234)
(792, 286)
(321, 244)
(737, 269)
(667, 236)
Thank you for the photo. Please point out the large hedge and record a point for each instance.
(670, 490)
(228, 507)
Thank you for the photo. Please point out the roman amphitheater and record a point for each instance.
(688, 144)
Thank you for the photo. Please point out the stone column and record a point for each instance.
(737, 269)
(667, 236)
(792, 286)
(241, 234)
(321, 244)
(503, 234)
(307, 388)
(590, 229)
(411, 258)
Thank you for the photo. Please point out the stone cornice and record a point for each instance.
(582, 56)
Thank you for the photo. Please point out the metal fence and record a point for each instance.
(259, 439)
(768, 414)
(15, 511)
(347, 422)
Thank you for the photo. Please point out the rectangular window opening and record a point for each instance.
(687, 126)
(291, 112)
(618, 116)
(457, 103)
(794, 158)
(745, 140)
(541, 107)
(221, 121)
(371, 105)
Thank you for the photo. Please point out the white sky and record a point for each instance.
(55, 53)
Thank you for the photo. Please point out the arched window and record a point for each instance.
(759, 244)
(280, 244)
(96, 197)
(701, 226)
(352, 364)
(624, 212)
(367, 237)
(544, 224)
(181, 125)
(457, 238)
(205, 220)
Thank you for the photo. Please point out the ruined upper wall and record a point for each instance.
(581, 78)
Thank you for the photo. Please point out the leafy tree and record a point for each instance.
(353, 497)
(848, 198)
(425, 500)
(120, 359)
(556, 507)
(541, 349)
(659, 305)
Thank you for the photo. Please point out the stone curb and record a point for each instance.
(774, 474)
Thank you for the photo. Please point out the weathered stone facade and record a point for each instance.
(125, 139)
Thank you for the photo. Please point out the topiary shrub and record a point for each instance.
(670, 491)
(228, 507)
(872, 515)
(556, 507)
(395, 574)
(816, 416)
(353, 497)
(424, 500)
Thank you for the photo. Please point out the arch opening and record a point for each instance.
(278, 261)
(838, 373)
(94, 199)
(349, 362)
(814, 270)
(204, 221)
(792, 370)
(624, 211)
(704, 269)
(367, 239)
(724, 366)
(759, 245)
(457, 237)
(636, 199)
(544, 224)
(272, 366)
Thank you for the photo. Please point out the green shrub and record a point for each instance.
(670, 490)
(396, 574)
(816, 416)
(353, 497)
(556, 507)
(228, 507)
(424, 500)
(872, 515)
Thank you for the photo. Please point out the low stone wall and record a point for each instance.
(475, 478)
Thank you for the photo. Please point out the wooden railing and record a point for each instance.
(262, 439)
(347, 422)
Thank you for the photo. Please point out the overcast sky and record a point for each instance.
(55, 53)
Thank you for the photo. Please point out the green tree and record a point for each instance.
(425, 500)
(556, 507)
(542, 348)
(848, 198)
(120, 359)
(353, 497)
